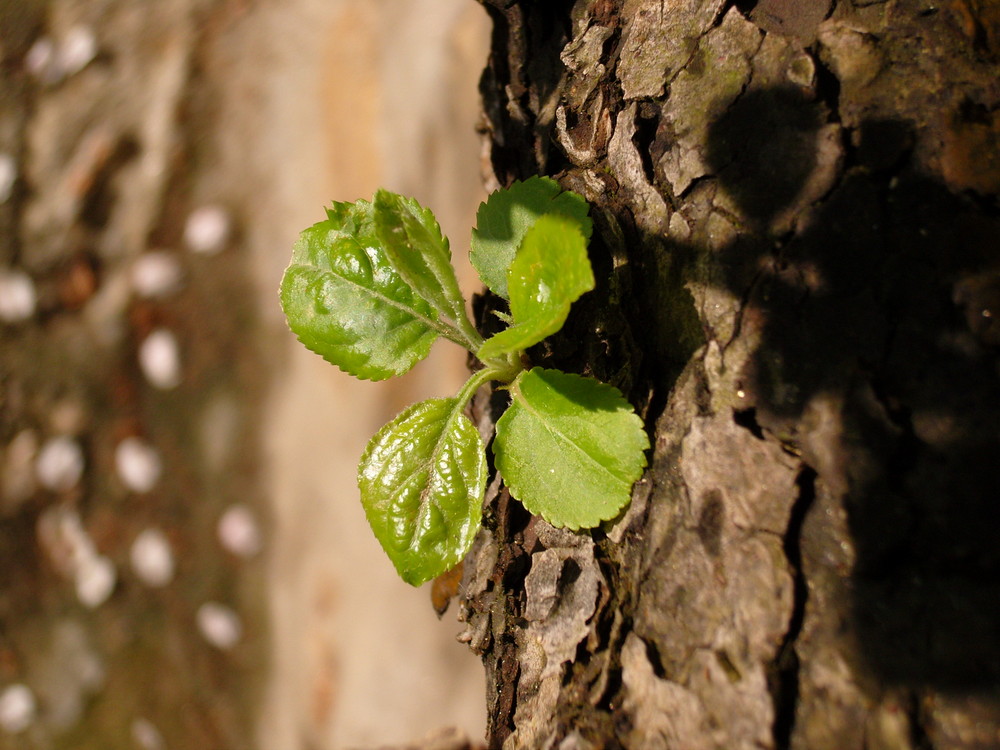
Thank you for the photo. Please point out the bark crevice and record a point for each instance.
(791, 211)
(784, 672)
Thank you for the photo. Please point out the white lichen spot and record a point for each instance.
(51, 61)
(152, 558)
(802, 70)
(220, 430)
(160, 359)
(138, 464)
(146, 736)
(68, 545)
(17, 708)
(95, 580)
(207, 230)
(59, 465)
(238, 531)
(77, 50)
(63, 538)
(17, 478)
(68, 671)
(219, 625)
(156, 274)
(40, 60)
(8, 176)
(17, 296)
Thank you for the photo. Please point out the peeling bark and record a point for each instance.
(797, 241)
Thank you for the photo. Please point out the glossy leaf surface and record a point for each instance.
(507, 215)
(345, 302)
(420, 254)
(422, 479)
(549, 273)
(569, 448)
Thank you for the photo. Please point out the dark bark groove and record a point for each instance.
(785, 677)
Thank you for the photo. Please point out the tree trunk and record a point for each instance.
(796, 244)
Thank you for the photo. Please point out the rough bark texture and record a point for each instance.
(798, 252)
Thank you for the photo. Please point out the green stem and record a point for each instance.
(504, 369)
(454, 335)
(471, 334)
(473, 383)
(461, 333)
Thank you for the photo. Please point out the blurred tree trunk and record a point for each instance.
(124, 621)
(798, 252)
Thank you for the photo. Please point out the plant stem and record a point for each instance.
(473, 383)
(504, 369)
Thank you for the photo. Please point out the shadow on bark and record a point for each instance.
(886, 303)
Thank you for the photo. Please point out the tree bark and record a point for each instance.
(796, 244)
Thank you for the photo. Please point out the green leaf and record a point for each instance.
(422, 479)
(420, 254)
(569, 448)
(507, 215)
(549, 273)
(346, 303)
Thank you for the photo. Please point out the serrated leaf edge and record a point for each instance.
(432, 323)
(512, 485)
(451, 303)
(585, 226)
(457, 412)
(496, 345)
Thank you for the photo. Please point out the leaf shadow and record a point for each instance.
(880, 305)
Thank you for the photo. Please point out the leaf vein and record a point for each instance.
(373, 293)
(556, 433)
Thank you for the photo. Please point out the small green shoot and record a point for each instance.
(372, 287)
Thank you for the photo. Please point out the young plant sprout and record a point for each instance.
(372, 287)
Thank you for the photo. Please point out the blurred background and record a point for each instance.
(184, 562)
